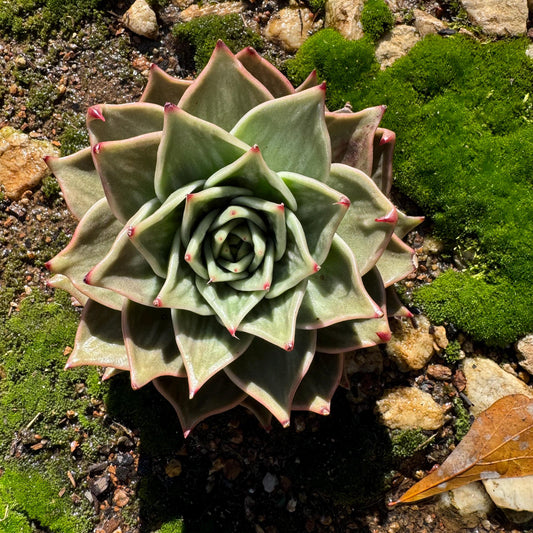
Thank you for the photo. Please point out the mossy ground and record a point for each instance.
(463, 116)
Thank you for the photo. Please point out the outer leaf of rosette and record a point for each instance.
(352, 137)
(291, 133)
(395, 306)
(162, 88)
(355, 334)
(230, 305)
(260, 411)
(124, 270)
(114, 122)
(271, 375)
(370, 220)
(62, 282)
(78, 179)
(92, 240)
(191, 149)
(336, 293)
(397, 261)
(153, 236)
(224, 91)
(381, 174)
(179, 289)
(205, 346)
(296, 263)
(99, 339)
(150, 344)
(309, 82)
(319, 384)
(126, 168)
(320, 211)
(406, 224)
(264, 320)
(218, 395)
(265, 72)
(251, 171)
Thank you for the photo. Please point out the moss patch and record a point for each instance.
(376, 18)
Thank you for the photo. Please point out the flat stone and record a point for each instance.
(220, 9)
(511, 493)
(427, 24)
(470, 502)
(411, 346)
(409, 408)
(140, 18)
(486, 382)
(524, 348)
(498, 17)
(396, 44)
(290, 27)
(21, 162)
(345, 17)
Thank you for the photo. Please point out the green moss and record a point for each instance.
(452, 354)
(175, 526)
(407, 442)
(202, 34)
(340, 62)
(463, 117)
(462, 420)
(316, 6)
(73, 136)
(50, 188)
(376, 19)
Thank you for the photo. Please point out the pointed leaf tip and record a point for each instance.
(48, 265)
(385, 336)
(289, 347)
(97, 148)
(157, 302)
(95, 111)
(186, 433)
(344, 201)
(324, 411)
(130, 231)
(322, 86)
(387, 137)
(316, 267)
(251, 51)
(390, 218)
(169, 107)
(255, 149)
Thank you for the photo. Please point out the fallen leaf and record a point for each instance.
(498, 445)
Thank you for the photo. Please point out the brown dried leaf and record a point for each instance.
(499, 444)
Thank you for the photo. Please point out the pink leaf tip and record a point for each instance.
(157, 302)
(169, 107)
(322, 86)
(387, 137)
(390, 218)
(281, 206)
(255, 149)
(87, 279)
(344, 201)
(289, 347)
(130, 231)
(96, 112)
(48, 265)
(251, 51)
(316, 267)
(232, 331)
(385, 336)
(266, 286)
(186, 433)
(324, 411)
(97, 148)
(188, 258)
(189, 197)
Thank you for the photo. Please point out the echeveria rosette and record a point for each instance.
(235, 239)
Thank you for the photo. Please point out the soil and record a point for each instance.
(322, 474)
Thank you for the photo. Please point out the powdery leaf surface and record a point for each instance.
(498, 445)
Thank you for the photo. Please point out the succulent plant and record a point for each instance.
(235, 239)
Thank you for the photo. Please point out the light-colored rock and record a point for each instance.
(21, 161)
(396, 44)
(409, 408)
(524, 348)
(498, 17)
(221, 9)
(432, 245)
(486, 382)
(441, 339)
(290, 27)
(410, 347)
(182, 4)
(140, 19)
(345, 17)
(529, 51)
(470, 502)
(427, 24)
(511, 493)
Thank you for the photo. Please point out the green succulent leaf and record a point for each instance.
(320, 211)
(406, 224)
(336, 293)
(62, 282)
(394, 304)
(302, 144)
(264, 319)
(92, 240)
(319, 384)
(150, 344)
(223, 77)
(78, 179)
(352, 136)
(381, 174)
(271, 375)
(370, 219)
(261, 279)
(265, 72)
(127, 165)
(205, 346)
(397, 261)
(259, 411)
(114, 122)
(191, 150)
(162, 88)
(99, 339)
(218, 395)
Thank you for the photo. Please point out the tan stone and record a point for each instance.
(427, 24)
(524, 348)
(486, 382)
(141, 19)
(345, 17)
(290, 27)
(498, 17)
(396, 44)
(409, 408)
(511, 493)
(21, 162)
(470, 502)
(411, 346)
(223, 8)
